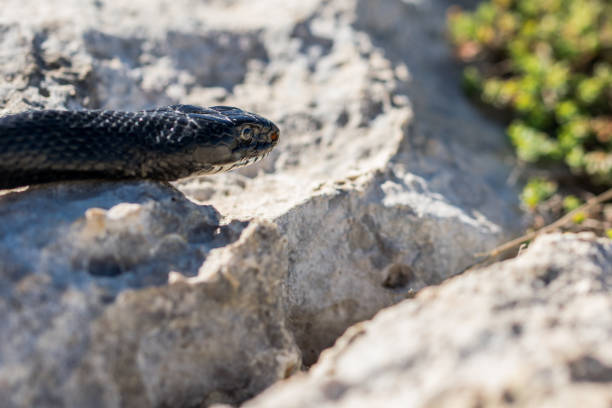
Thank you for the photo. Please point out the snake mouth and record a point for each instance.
(218, 168)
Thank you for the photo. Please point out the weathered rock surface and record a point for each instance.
(94, 312)
(385, 181)
(535, 331)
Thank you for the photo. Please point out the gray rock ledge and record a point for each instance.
(535, 331)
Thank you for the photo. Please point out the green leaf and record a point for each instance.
(536, 191)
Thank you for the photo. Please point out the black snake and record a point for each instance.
(161, 144)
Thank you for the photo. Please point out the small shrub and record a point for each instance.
(571, 202)
(548, 63)
(536, 191)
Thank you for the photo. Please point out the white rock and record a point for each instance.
(530, 332)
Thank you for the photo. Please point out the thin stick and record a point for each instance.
(603, 197)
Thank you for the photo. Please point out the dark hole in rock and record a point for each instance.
(508, 397)
(548, 275)
(398, 276)
(589, 369)
(517, 329)
(343, 118)
(104, 267)
(334, 389)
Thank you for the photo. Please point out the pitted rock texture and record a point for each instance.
(105, 301)
(385, 181)
(131, 339)
(535, 331)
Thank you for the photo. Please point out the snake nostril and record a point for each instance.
(274, 136)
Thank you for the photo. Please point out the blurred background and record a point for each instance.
(544, 68)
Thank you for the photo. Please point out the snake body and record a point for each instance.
(161, 144)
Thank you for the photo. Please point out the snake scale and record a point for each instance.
(165, 144)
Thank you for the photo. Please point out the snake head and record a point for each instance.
(237, 138)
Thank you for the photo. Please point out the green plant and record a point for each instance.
(570, 203)
(548, 63)
(536, 191)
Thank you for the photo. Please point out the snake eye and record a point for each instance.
(246, 134)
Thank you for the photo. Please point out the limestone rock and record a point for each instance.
(531, 332)
(115, 299)
(386, 180)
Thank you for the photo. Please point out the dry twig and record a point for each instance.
(601, 198)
